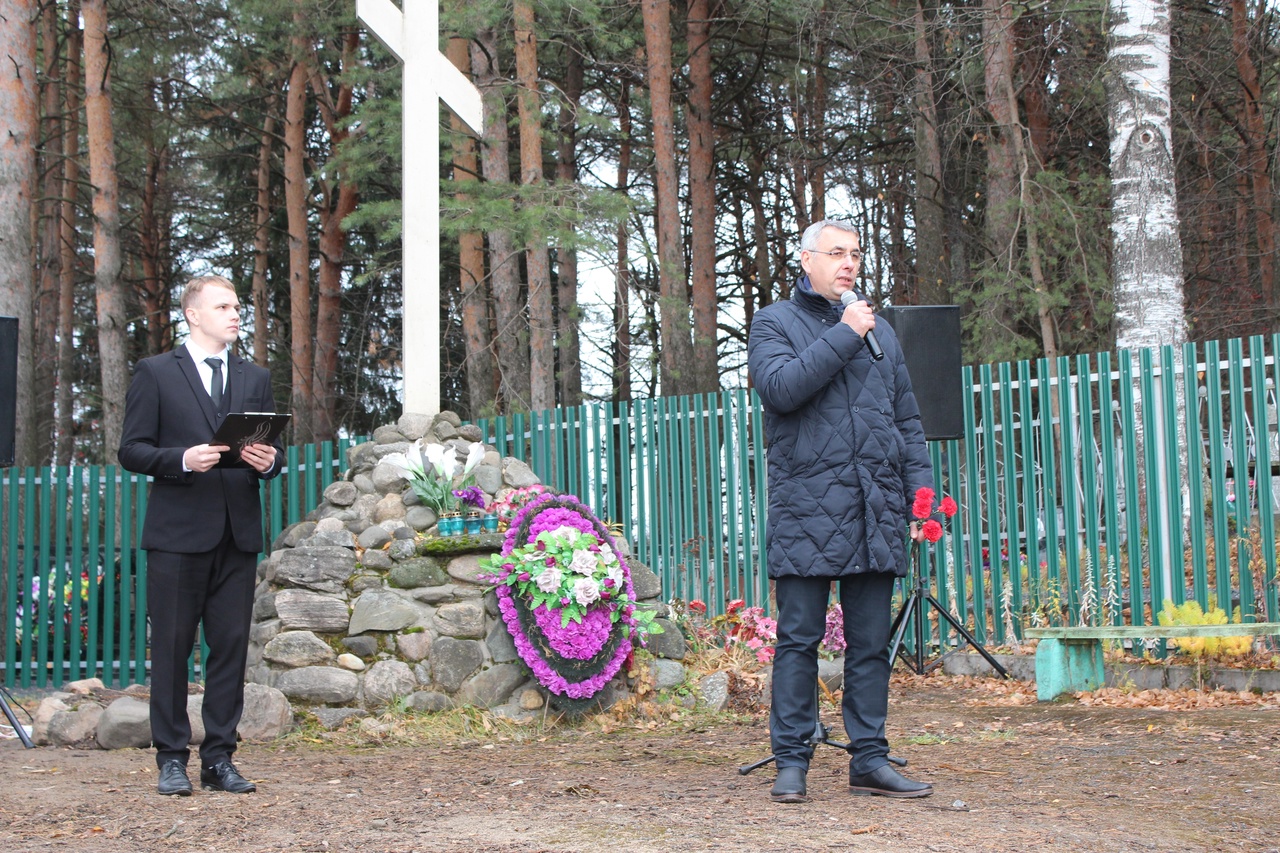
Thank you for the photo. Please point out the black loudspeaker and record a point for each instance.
(930, 338)
(8, 388)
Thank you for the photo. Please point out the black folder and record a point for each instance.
(244, 428)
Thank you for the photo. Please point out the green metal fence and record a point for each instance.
(73, 578)
(1092, 488)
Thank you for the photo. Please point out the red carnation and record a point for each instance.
(932, 530)
(948, 506)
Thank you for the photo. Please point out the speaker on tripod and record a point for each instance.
(930, 339)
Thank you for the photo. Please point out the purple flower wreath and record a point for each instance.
(573, 646)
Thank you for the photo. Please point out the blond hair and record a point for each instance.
(198, 284)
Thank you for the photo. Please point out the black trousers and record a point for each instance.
(793, 714)
(183, 590)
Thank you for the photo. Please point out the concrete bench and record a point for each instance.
(1069, 660)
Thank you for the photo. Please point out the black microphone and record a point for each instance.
(873, 345)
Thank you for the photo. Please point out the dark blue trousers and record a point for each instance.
(793, 714)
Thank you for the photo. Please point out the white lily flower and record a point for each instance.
(400, 462)
(410, 464)
(443, 460)
(475, 453)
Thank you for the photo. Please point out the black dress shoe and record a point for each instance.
(886, 782)
(789, 786)
(224, 776)
(173, 779)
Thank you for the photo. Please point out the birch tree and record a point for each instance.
(1147, 252)
(1147, 260)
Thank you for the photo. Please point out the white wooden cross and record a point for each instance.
(413, 36)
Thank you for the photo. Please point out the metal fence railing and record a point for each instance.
(1092, 488)
(73, 578)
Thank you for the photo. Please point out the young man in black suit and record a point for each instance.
(203, 528)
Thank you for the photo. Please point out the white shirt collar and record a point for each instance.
(199, 355)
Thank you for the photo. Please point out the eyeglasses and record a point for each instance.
(840, 256)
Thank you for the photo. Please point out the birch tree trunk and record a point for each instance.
(1147, 252)
(107, 256)
(542, 349)
(17, 196)
(1147, 265)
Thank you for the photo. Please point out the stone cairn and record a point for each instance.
(362, 607)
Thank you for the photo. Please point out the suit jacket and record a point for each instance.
(168, 410)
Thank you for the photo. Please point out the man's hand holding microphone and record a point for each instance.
(859, 317)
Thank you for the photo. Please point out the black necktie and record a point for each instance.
(215, 384)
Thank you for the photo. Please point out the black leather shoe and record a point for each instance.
(789, 786)
(224, 776)
(886, 782)
(173, 779)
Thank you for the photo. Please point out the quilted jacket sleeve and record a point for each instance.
(786, 377)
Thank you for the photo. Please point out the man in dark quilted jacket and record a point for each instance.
(846, 452)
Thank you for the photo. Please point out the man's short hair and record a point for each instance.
(198, 284)
(809, 240)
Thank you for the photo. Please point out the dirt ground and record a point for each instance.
(1009, 777)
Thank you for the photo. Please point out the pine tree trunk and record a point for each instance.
(47, 304)
(569, 376)
(67, 240)
(112, 310)
(153, 230)
(1001, 206)
(1254, 159)
(295, 200)
(675, 346)
(705, 377)
(262, 238)
(20, 109)
(481, 391)
(340, 198)
(931, 245)
(542, 351)
(621, 350)
(512, 335)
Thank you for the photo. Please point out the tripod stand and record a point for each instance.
(821, 735)
(13, 721)
(916, 604)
